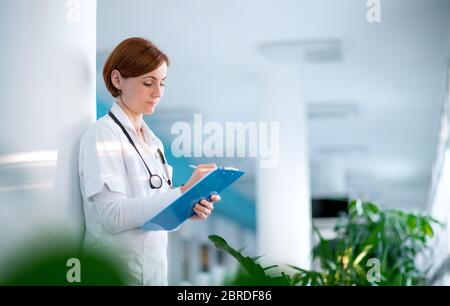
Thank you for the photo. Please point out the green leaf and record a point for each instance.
(361, 255)
(255, 273)
(412, 222)
(427, 229)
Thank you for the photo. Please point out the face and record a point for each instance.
(141, 94)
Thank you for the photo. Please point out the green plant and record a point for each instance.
(53, 257)
(393, 238)
(250, 273)
(366, 239)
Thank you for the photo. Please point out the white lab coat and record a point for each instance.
(118, 199)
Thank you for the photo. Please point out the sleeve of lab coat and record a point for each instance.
(101, 162)
(119, 213)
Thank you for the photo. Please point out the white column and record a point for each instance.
(283, 192)
(47, 63)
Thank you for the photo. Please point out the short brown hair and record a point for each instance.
(133, 57)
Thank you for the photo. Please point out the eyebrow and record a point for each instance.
(152, 77)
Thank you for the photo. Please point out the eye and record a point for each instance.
(147, 85)
(163, 84)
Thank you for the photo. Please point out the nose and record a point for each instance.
(157, 92)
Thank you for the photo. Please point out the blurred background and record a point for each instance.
(362, 109)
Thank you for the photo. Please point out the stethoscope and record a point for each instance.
(155, 180)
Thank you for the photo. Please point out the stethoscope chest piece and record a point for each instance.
(155, 181)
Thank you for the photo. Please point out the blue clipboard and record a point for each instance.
(182, 208)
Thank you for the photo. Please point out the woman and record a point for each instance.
(124, 177)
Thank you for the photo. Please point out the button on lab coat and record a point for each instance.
(118, 199)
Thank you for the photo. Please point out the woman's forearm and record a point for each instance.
(119, 213)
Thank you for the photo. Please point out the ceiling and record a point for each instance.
(373, 107)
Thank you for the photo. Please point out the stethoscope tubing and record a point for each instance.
(154, 180)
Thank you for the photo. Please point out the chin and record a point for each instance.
(149, 111)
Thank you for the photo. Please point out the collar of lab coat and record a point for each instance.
(126, 122)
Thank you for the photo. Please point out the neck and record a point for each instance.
(135, 118)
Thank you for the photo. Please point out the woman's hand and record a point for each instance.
(204, 208)
(199, 172)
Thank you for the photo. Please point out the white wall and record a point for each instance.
(439, 205)
(47, 63)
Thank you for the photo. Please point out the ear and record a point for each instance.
(116, 78)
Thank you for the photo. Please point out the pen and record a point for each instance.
(226, 168)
